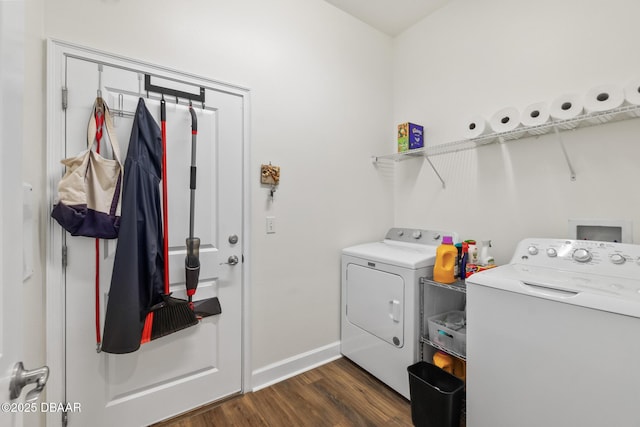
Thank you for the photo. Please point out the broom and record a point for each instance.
(172, 314)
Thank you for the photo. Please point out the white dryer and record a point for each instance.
(380, 327)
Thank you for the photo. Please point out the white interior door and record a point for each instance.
(194, 366)
(11, 83)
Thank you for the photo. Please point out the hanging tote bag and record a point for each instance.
(89, 193)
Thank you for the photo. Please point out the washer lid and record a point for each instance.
(401, 254)
(605, 293)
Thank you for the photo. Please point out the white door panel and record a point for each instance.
(178, 166)
(194, 366)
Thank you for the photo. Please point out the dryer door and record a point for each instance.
(375, 302)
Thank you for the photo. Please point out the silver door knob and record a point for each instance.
(22, 377)
(233, 260)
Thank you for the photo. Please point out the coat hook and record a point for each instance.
(99, 80)
(121, 104)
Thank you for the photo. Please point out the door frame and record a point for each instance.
(57, 52)
(12, 238)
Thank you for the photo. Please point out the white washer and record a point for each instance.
(380, 309)
(552, 337)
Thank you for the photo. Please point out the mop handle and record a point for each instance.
(192, 181)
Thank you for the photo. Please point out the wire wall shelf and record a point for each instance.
(584, 120)
(557, 126)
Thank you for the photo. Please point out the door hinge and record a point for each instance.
(64, 256)
(65, 93)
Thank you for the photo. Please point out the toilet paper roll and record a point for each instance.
(566, 107)
(477, 127)
(601, 99)
(506, 120)
(632, 95)
(632, 92)
(535, 115)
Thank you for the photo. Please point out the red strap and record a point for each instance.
(99, 125)
(98, 339)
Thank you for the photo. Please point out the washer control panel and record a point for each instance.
(605, 258)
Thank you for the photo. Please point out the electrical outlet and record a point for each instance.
(271, 224)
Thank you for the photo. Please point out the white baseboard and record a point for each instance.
(287, 368)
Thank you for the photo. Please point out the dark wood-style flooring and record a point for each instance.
(338, 393)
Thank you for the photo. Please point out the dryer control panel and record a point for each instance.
(603, 258)
(419, 236)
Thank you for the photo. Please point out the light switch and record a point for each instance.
(271, 224)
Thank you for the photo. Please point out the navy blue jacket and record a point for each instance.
(137, 282)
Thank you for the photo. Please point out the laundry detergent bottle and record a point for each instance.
(444, 268)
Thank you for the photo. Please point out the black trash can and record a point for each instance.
(436, 396)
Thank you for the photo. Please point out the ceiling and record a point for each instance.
(389, 16)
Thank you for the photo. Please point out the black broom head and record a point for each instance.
(172, 316)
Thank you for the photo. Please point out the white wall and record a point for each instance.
(320, 86)
(477, 56)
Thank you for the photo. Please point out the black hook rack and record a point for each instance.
(173, 92)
